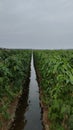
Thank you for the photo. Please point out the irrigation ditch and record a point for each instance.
(28, 115)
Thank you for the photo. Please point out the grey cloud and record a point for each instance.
(36, 23)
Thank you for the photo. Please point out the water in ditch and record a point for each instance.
(28, 114)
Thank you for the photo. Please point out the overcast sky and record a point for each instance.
(36, 24)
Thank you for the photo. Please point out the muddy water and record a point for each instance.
(29, 118)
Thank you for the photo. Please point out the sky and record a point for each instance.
(37, 24)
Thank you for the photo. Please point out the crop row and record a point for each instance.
(55, 68)
(14, 69)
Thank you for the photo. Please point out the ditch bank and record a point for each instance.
(8, 123)
(18, 122)
(45, 120)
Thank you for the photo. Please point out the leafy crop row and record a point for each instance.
(14, 67)
(56, 71)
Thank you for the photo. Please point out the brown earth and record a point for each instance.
(45, 120)
(7, 123)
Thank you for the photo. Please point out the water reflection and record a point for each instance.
(33, 114)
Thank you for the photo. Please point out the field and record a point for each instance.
(54, 69)
(14, 69)
(55, 75)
